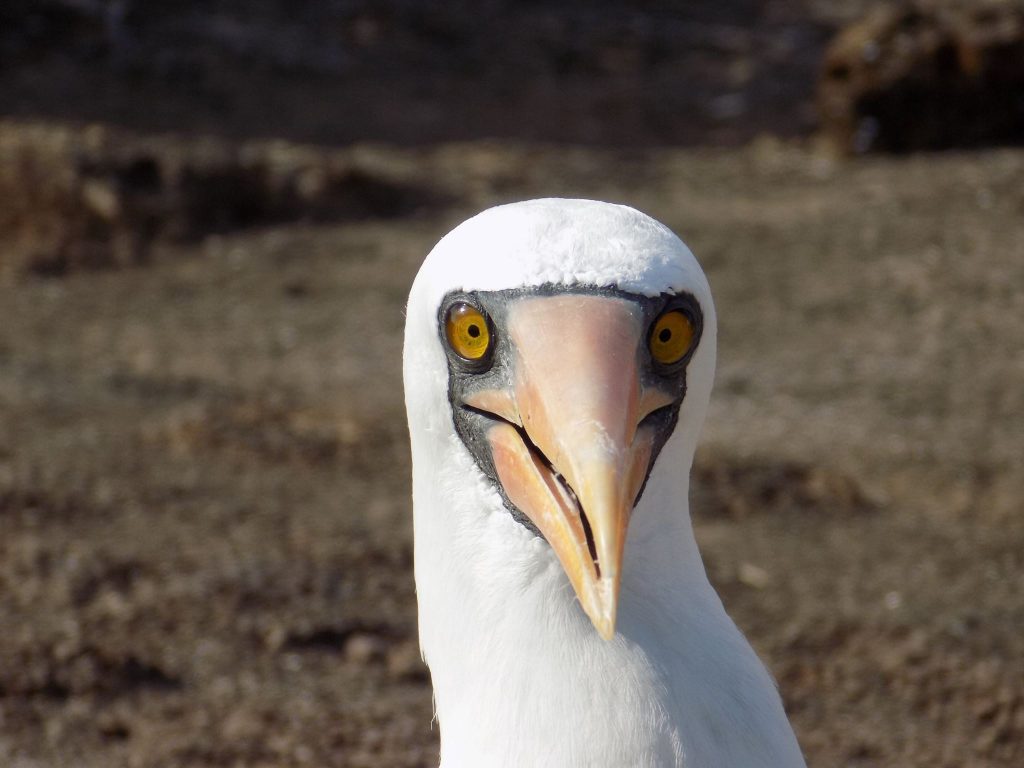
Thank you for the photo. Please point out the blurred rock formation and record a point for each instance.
(100, 197)
(906, 78)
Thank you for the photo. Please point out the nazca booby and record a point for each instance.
(559, 357)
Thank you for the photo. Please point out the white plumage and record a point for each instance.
(521, 676)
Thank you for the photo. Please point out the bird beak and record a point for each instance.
(568, 448)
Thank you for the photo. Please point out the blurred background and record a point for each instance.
(210, 216)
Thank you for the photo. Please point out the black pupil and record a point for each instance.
(473, 331)
(664, 335)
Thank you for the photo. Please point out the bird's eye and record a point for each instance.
(671, 337)
(467, 331)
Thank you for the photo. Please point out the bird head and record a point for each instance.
(562, 344)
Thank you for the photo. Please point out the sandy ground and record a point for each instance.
(205, 539)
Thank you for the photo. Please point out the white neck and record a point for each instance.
(522, 678)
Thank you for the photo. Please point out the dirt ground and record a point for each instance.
(205, 527)
(206, 540)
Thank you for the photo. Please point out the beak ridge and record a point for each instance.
(581, 416)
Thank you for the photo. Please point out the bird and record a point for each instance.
(558, 362)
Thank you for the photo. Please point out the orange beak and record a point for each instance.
(569, 452)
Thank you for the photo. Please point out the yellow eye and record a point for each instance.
(467, 331)
(671, 337)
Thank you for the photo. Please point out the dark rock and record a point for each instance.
(906, 79)
(101, 198)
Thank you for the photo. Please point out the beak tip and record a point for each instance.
(603, 616)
